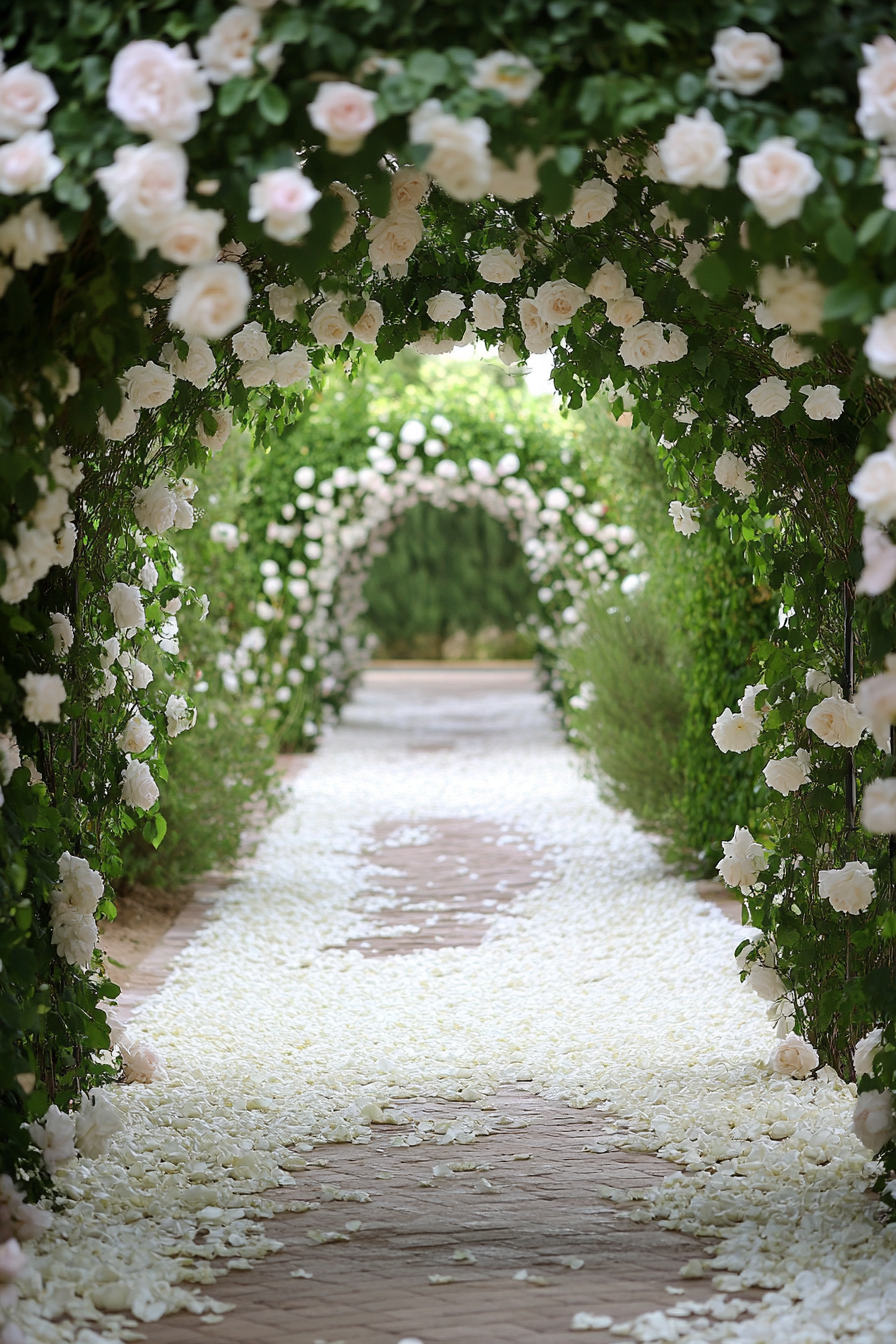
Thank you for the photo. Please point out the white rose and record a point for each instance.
(227, 48)
(155, 505)
(293, 366)
(866, 1051)
(625, 311)
(734, 732)
(409, 187)
(328, 326)
(874, 486)
(223, 429)
(284, 299)
(44, 694)
(777, 178)
(62, 633)
(250, 342)
(877, 88)
(768, 397)
(643, 345)
(13, 1262)
(54, 1135)
(879, 554)
(823, 403)
(592, 202)
(65, 544)
(744, 62)
(349, 223)
(65, 473)
(879, 807)
(875, 699)
(96, 1122)
(789, 353)
(766, 982)
(143, 1063)
(445, 306)
(693, 255)
(73, 934)
(139, 674)
(497, 266)
(788, 773)
(694, 151)
(148, 576)
(124, 424)
(458, 159)
(136, 735)
(676, 344)
(30, 236)
(145, 188)
(873, 1121)
(536, 332)
(178, 715)
(283, 199)
(393, 239)
(684, 518)
(368, 324)
(487, 310)
(793, 1056)
(558, 301)
(26, 97)
(158, 90)
(837, 722)
(820, 683)
(609, 282)
(344, 113)
(507, 73)
(190, 237)
(126, 606)
(148, 385)
(79, 885)
(198, 366)
(256, 373)
(792, 298)
(743, 860)
(28, 164)
(184, 517)
(210, 300)
(518, 183)
(733, 473)
(880, 345)
(138, 788)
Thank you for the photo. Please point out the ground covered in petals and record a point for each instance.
(608, 985)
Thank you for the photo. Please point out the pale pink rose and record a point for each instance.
(223, 429)
(823, 403)
(444, 306)
(28, 164)
(744, 62)
(344, 113)
(879, 552)
(608, 282)
(643, 345)
(227, 48)
(158, 90)
(558, 301)
(877, 86)
(190, 237)
(459, 158)
(536, 332)
(770, 396)
(498, 266)
(694, 151)
(409, 187)
(592, 202)
(368, 324)
(626, 310)
(393, 239)
(143, 1063)
(26, 97)
(789, 353)
(793, 1057)
(487, 310)
(328, 326)
(210, 300)
(518, 183)
(145, 187)
(777, 178)
(508, 73)
(138, 788)
(349, 223)
(283, 199)
(293, 366)
(31, 236)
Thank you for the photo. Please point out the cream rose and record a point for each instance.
(135, 736)
(250, 342)
(138, 788)
(866, 1051)
(158, 90)
(145, 188)
(458, 159)
(743, 860)
(409, 187)
(328, 326)
(497, 266)
(879, 807)
(96, 1122)
(126, 606)
(284, 299)
(823, 403)
(536, 332)
(875, 699)
(210, 300)
(44, 694)
(63, 635)
(143, 1063)
(518, 183)
(26, 96)
(28, 164)
(283, 199)
(190, 237)
(684, 519)
(694, 151)
(227, 48)
(139, 674)
(507, 73)
(256, 373)
(124, 424)
(30, 236)
(793, 1057)
(879, 554)
(54, 1135)
(770, 396)
(293, 366)
(592, 202)
(733, 473)
(777, 178)
(179, 717)
(766, 982)
(609, 282)
(693, 255)
(148, 385)
(444, 306)
(344, 233)
(487, 310)
(789, 353)
(734, 732)
(877, 88)
(744, 62)
(874, 486)
(880, 345)
(873, 1122)
(344, 113)
(792, 298)
(625, 311)
(155, 505)
(836, 721)
(788, 773)
(642, 345)
(223, 429)
(558, 301)
(849, 889)
(393, 239)
(367, 327)
(198, 366)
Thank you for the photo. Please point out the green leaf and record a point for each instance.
(568, 158)
(429, 67)
(556, 186)
(154, 830)
(640, 33)
(232, 95)
(871, 226)
(103, 343)
(841, 241)
(273, 105)
(713, 275)
(291, 27)
(848, 299)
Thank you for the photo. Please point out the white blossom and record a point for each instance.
(145, 187)
(198, 366)
(874, 486)
(250, 342)
(28, 164)
(519, 182)
(179, 716)
(458, 159)
(124, 424)
(30, 237)
(879, 553)
(836, 721)
(497, 266)
(694, 151)
(445, 306)
(875, 698)
(283, 198)
(138, 788)
(794, 298)
(292, 366)
(536, 332)
(866, 1051)
(735, 732)
(62, 633)
(608, 282)
(743, 860)
(54, 1135)
(155, 505)
(880, 344)
(487, 310)
(126, 606)
(26, 96)
(190, 236)
(393, 239)
(625, 311)
(367, 327)
(96, 1122)
(733, 473)
(210, 300)
(823, 403)
(227, 48)
(148, 385)
(744, 62)
(592, 202)
(789, 353)
(877, 88)
(768, 397)
(143, 1063)
(44, 694)
(777, 178)
(793, 1057)
(158, 90)
(328, 325)
(643, 345)
(788, 773)
(408, 188)
(136, 735)
(284, 299)
(879, 807)
(508, 73)
(873, 1121)
(344, 113)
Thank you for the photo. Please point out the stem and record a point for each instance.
(848, 678)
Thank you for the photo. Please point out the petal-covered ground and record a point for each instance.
(605, 984)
